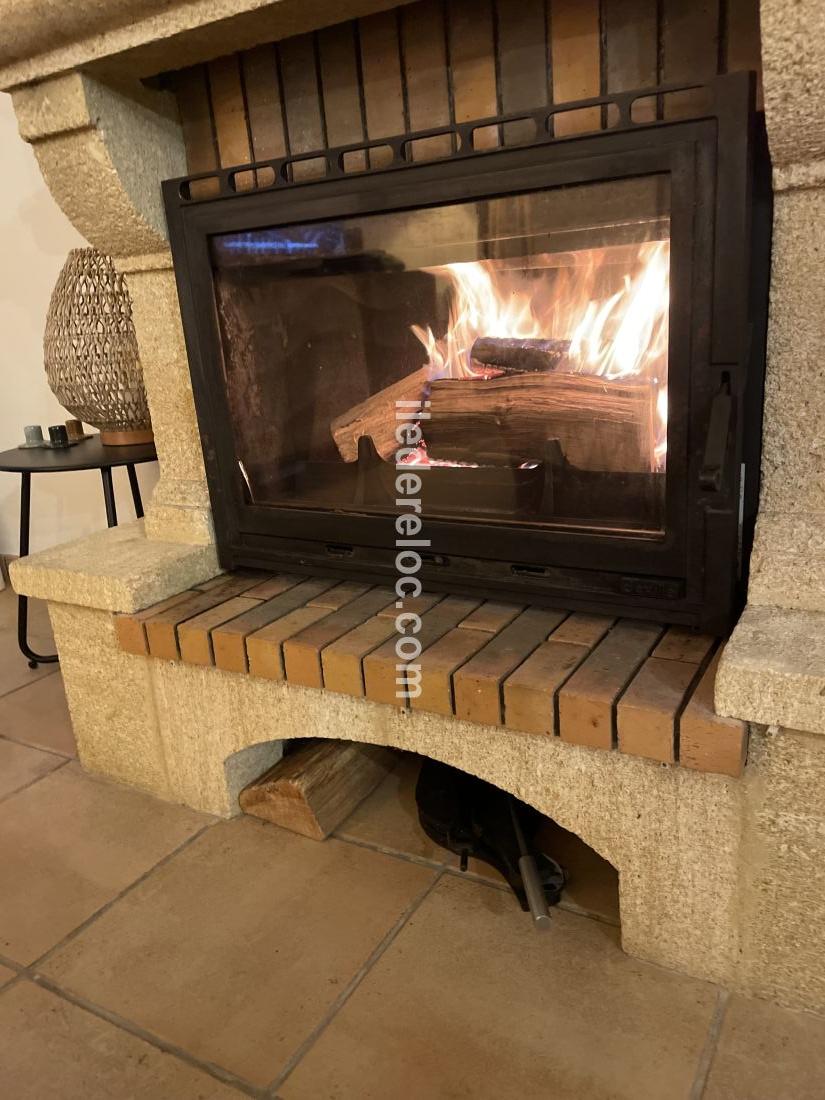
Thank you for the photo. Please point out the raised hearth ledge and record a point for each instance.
(118, 569)
(773, 669)
(706, 863)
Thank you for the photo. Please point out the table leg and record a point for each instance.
(134, 485)
(33, 658)
(109, 495)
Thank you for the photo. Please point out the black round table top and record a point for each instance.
(88, 455)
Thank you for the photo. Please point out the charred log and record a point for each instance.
(519, 356)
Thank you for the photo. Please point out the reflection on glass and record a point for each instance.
(526, 335)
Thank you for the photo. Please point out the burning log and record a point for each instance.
(518, 356)
(376, 418)
(600, 424)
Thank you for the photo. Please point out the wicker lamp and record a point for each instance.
(90, 350)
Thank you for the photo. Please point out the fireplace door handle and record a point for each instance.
(716, 442)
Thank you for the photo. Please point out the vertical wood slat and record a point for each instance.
(302, 101)
(743, 49)
(522, 63)
(230, 117)
(424, 54)
(381, 69)
(631, 43)
(690, 50)
(340, 89)
(473, 65)
(263, 102)
(192, 89)
(576, 62)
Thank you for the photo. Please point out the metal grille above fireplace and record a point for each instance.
(570, 328)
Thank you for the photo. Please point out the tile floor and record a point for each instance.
(150, 952)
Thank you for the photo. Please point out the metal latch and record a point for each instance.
(716, 442)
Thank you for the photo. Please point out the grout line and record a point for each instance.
(350, 988)
(217, 1072)
(709, 1050)
(75, 932)
(10, 964)
(65, 756)
(34, 680)
(19, 790)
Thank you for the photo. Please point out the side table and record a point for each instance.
(88, 455)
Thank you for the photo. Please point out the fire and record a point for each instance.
(615, 317)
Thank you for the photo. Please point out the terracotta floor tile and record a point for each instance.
(14, 670)
(236, 949)
(6, 975)
(68, 845)
(469, 1001)
(767, 1053)
(52, 1049)
(38, 715)
(21, 765)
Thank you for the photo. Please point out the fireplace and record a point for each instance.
(560, 343)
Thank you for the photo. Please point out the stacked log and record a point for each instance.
(600, 424)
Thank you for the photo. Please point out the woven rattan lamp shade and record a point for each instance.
(90, 349)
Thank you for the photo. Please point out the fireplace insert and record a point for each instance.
(556, 347)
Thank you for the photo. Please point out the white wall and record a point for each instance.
(35, 237)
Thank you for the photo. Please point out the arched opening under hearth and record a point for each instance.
(388, 818)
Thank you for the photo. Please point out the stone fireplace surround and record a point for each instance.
(721, 878)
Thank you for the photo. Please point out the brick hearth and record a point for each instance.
(624, 685)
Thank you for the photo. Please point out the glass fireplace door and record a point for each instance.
(513, 350)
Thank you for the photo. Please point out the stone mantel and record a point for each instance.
(128, 40)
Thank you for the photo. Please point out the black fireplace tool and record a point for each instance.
(470, 817)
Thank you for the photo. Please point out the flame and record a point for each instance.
(622, 333)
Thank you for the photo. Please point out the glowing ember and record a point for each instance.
(616, 318)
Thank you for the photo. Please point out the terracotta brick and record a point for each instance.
(229, 640)
(477, 684)
(530, 691)
(646, 713)
(437, 665)
(339, 595)
(680, 644)
(587, 700)
(492, 616)
(583, 629)
(342, 660)
(194, 636)
(381, 666)
(131, 629)
(264, 648)
(302, 652)
(708, 742)
(162, 627)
